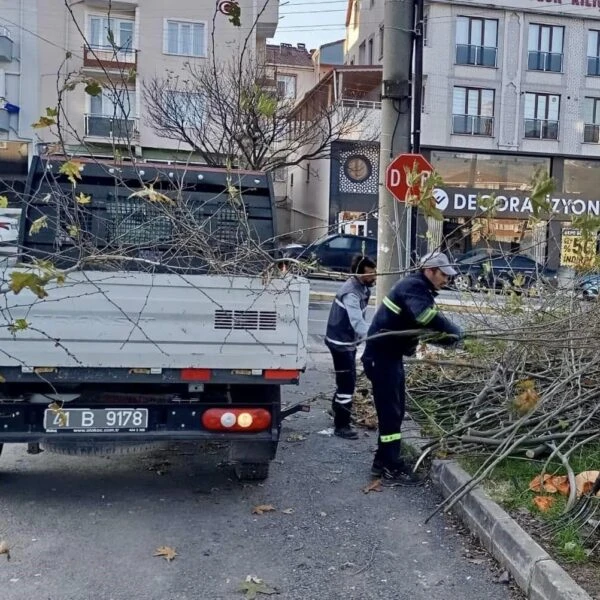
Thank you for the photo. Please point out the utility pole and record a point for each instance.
(393, 225)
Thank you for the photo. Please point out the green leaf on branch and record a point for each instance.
(20, 280)
(18, 325)
(235, 14)
(3, 202)
(93, 88)
(38, 225)
(72, 169)
(51, 112)
(44, 122)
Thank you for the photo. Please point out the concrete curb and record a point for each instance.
(533, 569)
(450, 306)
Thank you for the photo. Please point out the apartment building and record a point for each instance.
(508, 87)
(121, 44)
(18, 93)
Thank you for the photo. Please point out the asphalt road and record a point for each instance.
(87, 528)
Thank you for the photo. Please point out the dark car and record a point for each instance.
(334, 252)
(588, 286)
(502, 272)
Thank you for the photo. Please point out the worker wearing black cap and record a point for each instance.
(409, 306)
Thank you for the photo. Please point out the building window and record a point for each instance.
(473, 111)
(541, 116)
(370, 56)
(362, 51)
(185, 38)
(109, 33)
(186, 108)
(593, 53)
(380, 42)
(425, 24)
(286, 86)
(545, 48)
(476, 41)
(591, 120)
(111, 114)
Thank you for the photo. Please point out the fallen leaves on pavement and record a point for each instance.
(4, 549)
(374, 486)
(166, 552)
(543, 503)
(252, 586)
(263, 508)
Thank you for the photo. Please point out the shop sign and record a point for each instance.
(509, 203)
(573, 251)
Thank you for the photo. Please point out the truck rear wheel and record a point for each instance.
(251, 471)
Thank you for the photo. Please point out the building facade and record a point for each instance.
(508, 88)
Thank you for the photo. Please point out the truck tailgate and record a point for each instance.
(141, 320)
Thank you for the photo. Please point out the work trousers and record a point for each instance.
(344, 364)
(389, 394)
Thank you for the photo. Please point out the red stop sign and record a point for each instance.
(395, 174)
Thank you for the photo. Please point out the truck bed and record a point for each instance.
(141, 321)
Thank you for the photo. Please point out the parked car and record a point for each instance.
(502, 272)
(588, 286)
(334, 252)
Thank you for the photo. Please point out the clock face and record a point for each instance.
(357, 168)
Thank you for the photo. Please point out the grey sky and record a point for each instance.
(310, 22)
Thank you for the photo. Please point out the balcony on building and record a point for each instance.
(541, 129)
(472, 125)
(6, 45)
(108, 128)
(482, 56)
(268, 19)
(109, 58)
(545, 61)
(344, 88)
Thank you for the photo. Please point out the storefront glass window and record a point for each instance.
(487, 171)
(581, 178)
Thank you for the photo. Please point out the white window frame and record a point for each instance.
(107, 46)
(203, 49)
(132, 106)
(288, 79)
(189, 118)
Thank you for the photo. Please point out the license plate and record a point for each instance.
(94, 420)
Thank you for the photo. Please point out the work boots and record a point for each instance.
(342, 414)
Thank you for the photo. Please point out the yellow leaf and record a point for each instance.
(2, 379)
(3, 202)
(152, 195)
(57, 409)
(166, 552)
(83, 199)
(20, 281)
(263, 508)
(38, 225)
(374, 486)
(18, 325)
(72, 169)
(44, 122)
(73, 231)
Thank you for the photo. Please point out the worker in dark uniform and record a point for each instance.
(345, 326)
(410, 305)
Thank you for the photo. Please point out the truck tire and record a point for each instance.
(251, 471)
(100, 448)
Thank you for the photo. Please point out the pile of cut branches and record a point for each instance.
(527, 386)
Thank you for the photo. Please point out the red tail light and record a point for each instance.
(281, 374)
(195, 374)
(236, 419)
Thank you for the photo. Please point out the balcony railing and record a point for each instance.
(541, 129)
(107, 57)
(483, 56)
(110, 127)
(352, 103)
(593, 66)
(545, 61)
(472, 125)
(591, 133)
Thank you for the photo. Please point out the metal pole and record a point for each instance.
(417, 94)
(395, 137)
